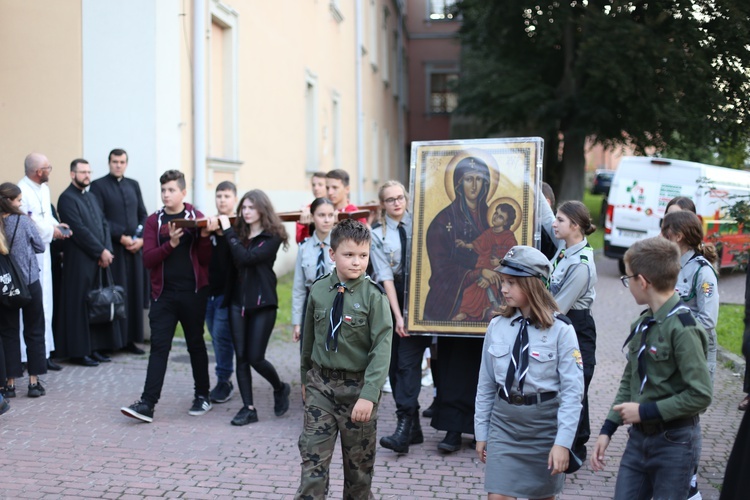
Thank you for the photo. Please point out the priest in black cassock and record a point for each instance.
(87, 251)
(122, 204)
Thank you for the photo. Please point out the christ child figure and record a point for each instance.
(481, 299)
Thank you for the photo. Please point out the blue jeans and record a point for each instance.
(659, 465)
(217, 320)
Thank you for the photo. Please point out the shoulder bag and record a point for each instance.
(106, 303)
(14, 292)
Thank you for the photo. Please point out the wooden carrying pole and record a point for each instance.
(284, 216)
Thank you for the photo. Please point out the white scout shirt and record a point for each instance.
(574, 276)
(555, 365)
(386, 248)
(305, 272)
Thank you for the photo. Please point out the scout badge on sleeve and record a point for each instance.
(578, 358)
(707, 289)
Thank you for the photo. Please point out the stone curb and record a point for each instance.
(735, 363)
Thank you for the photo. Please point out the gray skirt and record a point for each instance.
(518, 447)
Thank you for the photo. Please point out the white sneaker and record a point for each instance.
(387, 385)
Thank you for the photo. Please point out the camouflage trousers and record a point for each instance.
(328, 410)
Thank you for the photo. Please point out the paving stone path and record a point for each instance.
(74, 442)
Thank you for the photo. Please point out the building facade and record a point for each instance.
(260, 93)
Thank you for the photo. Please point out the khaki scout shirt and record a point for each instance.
(678, 384)
(364, 341)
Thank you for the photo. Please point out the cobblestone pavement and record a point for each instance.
(74, 442)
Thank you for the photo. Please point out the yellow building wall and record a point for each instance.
(40, 86)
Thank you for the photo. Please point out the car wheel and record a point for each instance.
(621, 266)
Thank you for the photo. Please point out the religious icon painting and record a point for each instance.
(471, 202)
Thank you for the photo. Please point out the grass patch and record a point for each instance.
(730, 327)
(594, 203)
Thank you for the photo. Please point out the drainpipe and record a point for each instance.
(403, 168)
(199, 103)
(360, 115)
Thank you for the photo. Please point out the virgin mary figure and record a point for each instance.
(464, 219)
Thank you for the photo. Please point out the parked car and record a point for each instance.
(602, 182)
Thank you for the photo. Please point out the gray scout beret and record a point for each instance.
(525, 261)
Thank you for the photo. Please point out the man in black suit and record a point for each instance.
(88, 250)
(122, 204)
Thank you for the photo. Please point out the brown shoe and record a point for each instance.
(744, 403)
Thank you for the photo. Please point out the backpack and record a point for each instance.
(14, 293)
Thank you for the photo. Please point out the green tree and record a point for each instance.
(638, 72)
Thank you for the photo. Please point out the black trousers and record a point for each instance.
(250, 333)
(746, 353)
(189, 309)
(405, 371)
(585, 328)
(409, 373)
(33, 335)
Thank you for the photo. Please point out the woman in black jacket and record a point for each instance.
(254, 240)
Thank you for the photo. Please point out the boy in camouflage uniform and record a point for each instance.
(344, 363)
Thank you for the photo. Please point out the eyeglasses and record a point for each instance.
(391, 201)
(626, 280)
(49, 168)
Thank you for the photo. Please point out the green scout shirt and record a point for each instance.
(364, 342)
(678, 384)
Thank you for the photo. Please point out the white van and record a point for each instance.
(642, 187)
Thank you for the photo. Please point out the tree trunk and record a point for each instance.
(573, 165)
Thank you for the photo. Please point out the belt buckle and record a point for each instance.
(517, 399)
(335, 374)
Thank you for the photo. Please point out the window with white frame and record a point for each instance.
(442, 96)
(442, 10)
(373, 18)
(394, 64)
(311, 122)
(384, 49)
(375, 168)
(336, 129)
(222, 102)
(387, 172)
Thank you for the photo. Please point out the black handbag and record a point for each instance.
(106, 303)
(14, 292)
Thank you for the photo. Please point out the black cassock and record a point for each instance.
(81, 252)
(458, 376)
(736, 478)
(122, 204)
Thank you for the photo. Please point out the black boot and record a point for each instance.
(399, 441)
(430, 412)
(451, 442)
(416, 431)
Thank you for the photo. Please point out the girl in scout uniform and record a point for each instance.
(696, 283)
(390, 239)
(572, 285)
(313, 260)
(530, 385)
